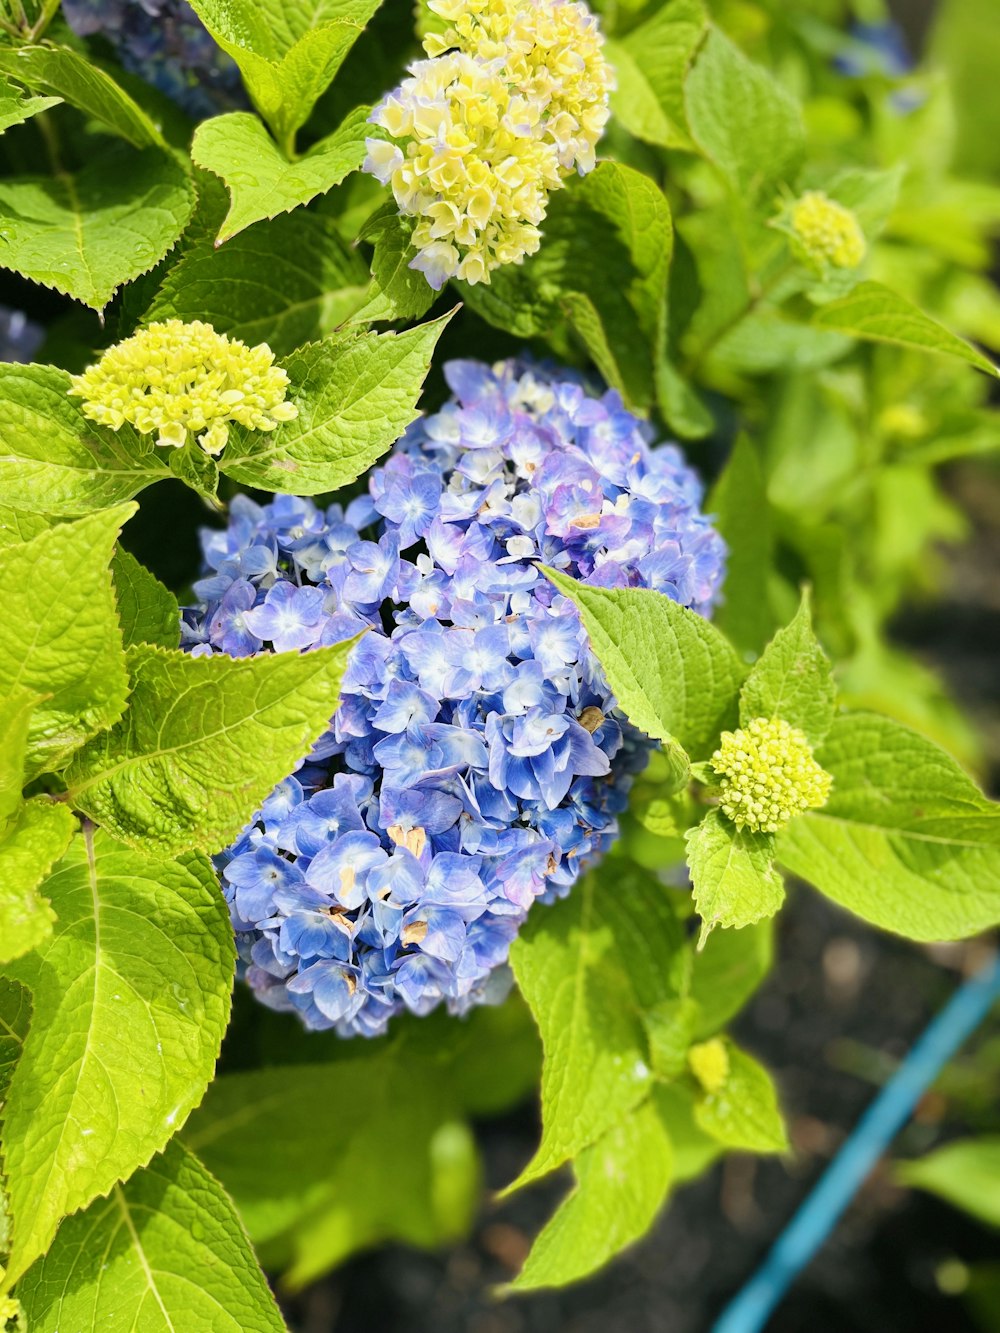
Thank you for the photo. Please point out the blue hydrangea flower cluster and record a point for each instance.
(476, 762)
(165, 43)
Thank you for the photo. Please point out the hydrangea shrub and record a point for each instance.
(560, 396)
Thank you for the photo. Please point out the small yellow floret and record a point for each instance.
(825, 232)
(709, 1063)
(514, 98)
(181, 380)
(768, 774)
(9, 1309)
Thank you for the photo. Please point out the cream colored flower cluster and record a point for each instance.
(182, 379)
(825, 233)
(513, 98)
(768, 774)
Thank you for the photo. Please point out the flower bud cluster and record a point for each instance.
(768, 774)
(825, 233)
(476, 761)
(181, 380)
(513, 98)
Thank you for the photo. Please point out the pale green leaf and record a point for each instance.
(633, 102)
(310, 1211)
(28, 850)
(54, 460)
(163, 1253)
(727, 971)
(658, 53)
(743, 1114)
(18, 525)
(59, 634)
(792, 680)
(741, 118)
(355, 394)
(873, 312)
(16, 707)
(147, 611)
(261, 180)
(589, 967)
(284, 282)
(87, 233)
(63, 74)
(287, 53)
(621, 1182)
(397, 291)
(906, 840)
(131, 998)
(197, 469)
(742, 517)
(693, 1150)
(732, 872)
(965, 1173)
(16, 106)
(203, 741)
(672, 672)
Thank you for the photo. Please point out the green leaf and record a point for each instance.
(355, 394)
(741, 118)
(285, 282)
(657, 54)
(17, 525)
(792, 680)
(53, 460)
(873, 312)
(906, 840)
(59, 635)
(397, 291)
(65, 75)
(87, 233)
(287, 53)
(15, 1017)
(28, 851)
(965, 1173)
(694, 1151)
(131, 998)
(589, 967)
(261, 180)
(147, 611)
(203, 741)
(310, 1211)
(733, 875)
(743, 1114)
(16, 707)
(672, 672)
(16, 107)
(621, 215)
(726, 972)
(165, 1251)
(742, 516)
(621, 1182)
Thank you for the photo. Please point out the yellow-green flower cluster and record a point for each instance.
(182, 380)
(768, 774)
(513, 98)
(825, 233)
(709, 1062)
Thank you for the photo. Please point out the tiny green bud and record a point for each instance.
(825, 233)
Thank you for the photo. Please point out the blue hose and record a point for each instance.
(750, 1309)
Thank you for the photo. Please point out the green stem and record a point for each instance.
(752, 303)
